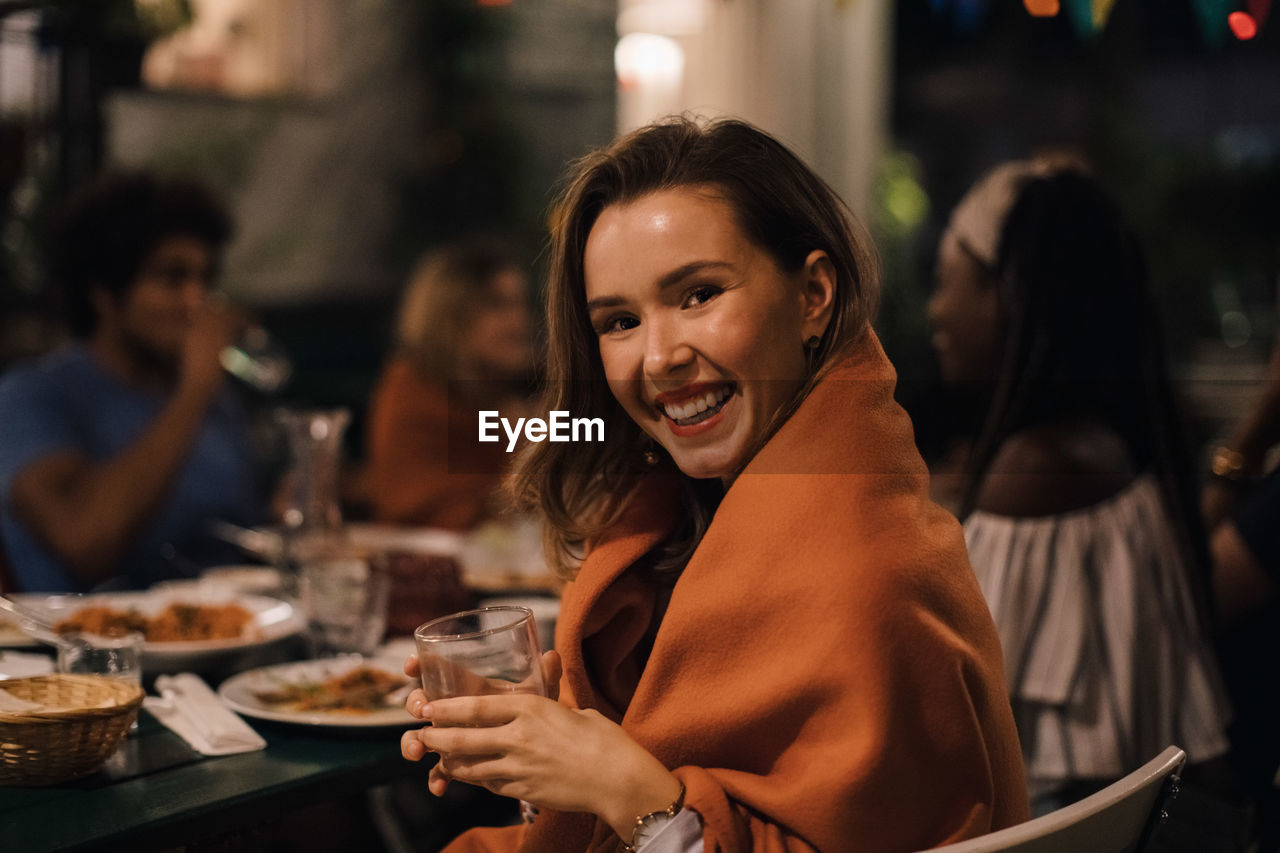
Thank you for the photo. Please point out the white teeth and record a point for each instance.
(707, 401)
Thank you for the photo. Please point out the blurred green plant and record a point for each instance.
(900, 209)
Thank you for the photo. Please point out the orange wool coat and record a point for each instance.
(424, 466)
(827, 676)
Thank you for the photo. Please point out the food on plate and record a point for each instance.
(357, 691)
(175, 623)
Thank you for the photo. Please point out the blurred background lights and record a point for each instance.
(1042, 8)
(664, 17)
(648, 60)
(1243, 25)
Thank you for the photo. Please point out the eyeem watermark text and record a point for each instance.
(557, 427)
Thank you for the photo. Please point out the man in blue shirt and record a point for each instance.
(117, 450)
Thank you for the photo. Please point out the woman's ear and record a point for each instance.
(818, 294)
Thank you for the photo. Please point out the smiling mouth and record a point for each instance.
(700, 408)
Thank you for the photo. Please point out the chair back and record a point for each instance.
(1117, 819)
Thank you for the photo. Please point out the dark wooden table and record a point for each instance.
(157, 792)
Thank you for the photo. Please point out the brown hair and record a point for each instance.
(780, 205)
(439, 303)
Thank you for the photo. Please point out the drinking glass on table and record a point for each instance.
(345, 595)
(480, 652)
(93, 654)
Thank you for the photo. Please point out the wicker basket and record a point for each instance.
(71, 736)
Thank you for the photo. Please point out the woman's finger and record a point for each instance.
(437, 780)
(476, 769)
(468, 741)
(415, 702)
(411, 747)
(552, 670)
(412, 667)
(478, 710)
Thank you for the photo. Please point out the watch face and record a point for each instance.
(650, 827)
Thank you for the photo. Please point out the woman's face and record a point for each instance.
(498, 342)
(701, 334)
(965, 316)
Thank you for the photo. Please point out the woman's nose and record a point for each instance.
(666, 350)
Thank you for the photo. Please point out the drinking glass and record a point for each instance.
(345, 595)
(92, 654)
(480, 652)
(256, 359)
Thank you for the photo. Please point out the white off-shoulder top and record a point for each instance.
(1105, 659)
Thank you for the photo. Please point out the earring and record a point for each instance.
(650, 454)
(811, 345)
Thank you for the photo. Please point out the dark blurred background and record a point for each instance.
(352, 136)
(1179, 118)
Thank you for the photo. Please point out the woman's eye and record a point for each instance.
(700, 295)
(618, 324)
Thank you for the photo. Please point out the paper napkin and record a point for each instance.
(194, 712)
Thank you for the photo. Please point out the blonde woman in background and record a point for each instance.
(462, 345)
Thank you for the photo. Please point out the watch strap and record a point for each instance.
(659, 816)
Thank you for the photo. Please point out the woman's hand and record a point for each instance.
(535, 749)
(412, 749)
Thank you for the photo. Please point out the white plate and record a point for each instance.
(238, 693)
(250, 580)
(228, 581)
(495, 558)
(414, 540)
(22, 665)
(272, 620)
(503, 555)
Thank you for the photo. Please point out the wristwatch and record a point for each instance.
(648, 825)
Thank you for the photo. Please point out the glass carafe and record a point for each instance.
(312, 515)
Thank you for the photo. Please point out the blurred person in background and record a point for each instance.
(1241, 507)
(1077, 496)
(463, 344)
(118, 448)
(772, 639)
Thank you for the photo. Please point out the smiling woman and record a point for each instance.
(700, 330)
(772, 640)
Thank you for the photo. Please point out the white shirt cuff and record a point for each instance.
(682, 834)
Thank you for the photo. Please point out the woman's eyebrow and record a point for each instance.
(604, 302)
(668, 279)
